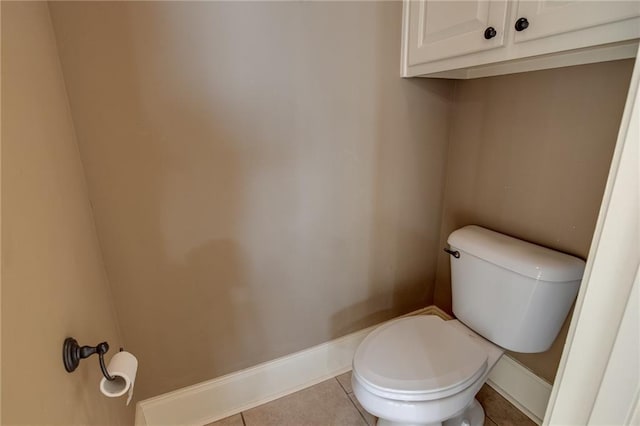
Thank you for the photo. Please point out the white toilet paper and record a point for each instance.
(123, 366)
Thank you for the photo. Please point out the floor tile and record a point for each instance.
(501, 411)
(489, 422)
(369, 418)
(323, 404)
(345, 381)
(229, 421)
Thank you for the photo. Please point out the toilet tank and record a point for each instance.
(514, 293)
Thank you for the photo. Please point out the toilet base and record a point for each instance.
(473, 415)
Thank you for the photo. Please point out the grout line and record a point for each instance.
(242, 417)
(349, 394)
(489, 417)
(356, 407)
(345, 391)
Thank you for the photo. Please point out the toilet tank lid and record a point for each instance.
(516, 255)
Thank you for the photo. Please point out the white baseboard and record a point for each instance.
(225, 396)
(521, 387)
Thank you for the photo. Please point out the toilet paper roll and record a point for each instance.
(123, 366)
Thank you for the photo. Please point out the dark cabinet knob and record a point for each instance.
(490, 32)
(522, 24)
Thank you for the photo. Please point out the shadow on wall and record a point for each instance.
(194, 272)
(188, 301)
(404, 234)
(171, 185)
(405, 205)
(261, 184)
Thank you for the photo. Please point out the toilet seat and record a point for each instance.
(418, 358)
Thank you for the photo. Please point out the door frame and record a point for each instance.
(608, 282)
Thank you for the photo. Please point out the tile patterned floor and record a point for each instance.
(332, 403)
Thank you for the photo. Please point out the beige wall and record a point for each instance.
(529, 156)
(53, 281)
(262, 179)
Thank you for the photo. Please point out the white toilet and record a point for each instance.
(422, 370)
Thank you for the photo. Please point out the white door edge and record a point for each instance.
(608, 279)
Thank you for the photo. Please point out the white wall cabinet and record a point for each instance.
(448, 29)
(478, 38)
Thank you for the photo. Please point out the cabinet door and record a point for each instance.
(553, 17)
(444, 29)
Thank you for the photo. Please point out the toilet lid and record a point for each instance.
(418, 358)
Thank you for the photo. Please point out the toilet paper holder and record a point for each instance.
(72, 353)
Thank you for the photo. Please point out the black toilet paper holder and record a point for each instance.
(72, 353)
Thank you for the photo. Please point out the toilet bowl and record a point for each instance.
(423, 370)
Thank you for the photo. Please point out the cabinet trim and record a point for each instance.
(606, 42)
(613, 52)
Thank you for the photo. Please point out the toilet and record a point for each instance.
(507, 294)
